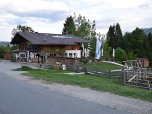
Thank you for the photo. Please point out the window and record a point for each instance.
(22, 55)
(75, 54)
(29, 45)
(70, 55)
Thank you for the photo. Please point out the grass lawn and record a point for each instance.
(102, 66)
(90, 81)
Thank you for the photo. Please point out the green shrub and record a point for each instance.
(13, 58)
(123, 59)
(119, 53)
(130, 55)
(84, 61)
(26, 68)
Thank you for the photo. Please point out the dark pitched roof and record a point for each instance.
(15, 51)
(48, 39)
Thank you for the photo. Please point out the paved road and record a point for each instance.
(21, 97)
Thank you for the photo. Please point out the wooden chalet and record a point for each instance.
(30, 44)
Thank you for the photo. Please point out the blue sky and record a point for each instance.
(48, 16)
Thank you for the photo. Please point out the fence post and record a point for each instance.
(76, 68)
(85, 69)
(73, 67)
(109, 74)
(96, 71)
(124, 79)
(39, 65)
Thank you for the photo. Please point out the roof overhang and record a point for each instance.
(18, 38)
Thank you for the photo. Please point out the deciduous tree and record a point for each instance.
(21, 28)
(81, 27)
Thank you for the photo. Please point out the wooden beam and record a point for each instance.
(133, 77)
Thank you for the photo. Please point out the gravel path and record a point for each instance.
(123, 103)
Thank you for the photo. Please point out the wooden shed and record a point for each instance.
(144, 61)
(7, 56)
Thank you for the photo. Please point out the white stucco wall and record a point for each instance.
(78, 53)
(32, 54)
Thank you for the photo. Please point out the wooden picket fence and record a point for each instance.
(138, 79)
(100, 73)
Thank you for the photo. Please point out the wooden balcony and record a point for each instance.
(30, 49)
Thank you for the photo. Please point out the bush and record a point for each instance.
(123, 59)
(13, 58)
(26, 68)
(1, 55)
(130, 55)
(84, 61)
(119, 53)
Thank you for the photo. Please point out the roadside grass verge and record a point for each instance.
(86, 80)
(102, 66)
(24, 68)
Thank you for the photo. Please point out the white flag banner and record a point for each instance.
(102, 52)
(82, 50)
(88, 52)
(85, 52)
(98, 45)
(113, 52)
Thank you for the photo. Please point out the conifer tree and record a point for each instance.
(115, 36)
(118, 36)
(69, 26)
(149, 39)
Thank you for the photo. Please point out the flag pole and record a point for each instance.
(95, 52)
(95, 57)
(113, 54)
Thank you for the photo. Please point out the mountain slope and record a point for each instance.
(2, 43)
(147, 30)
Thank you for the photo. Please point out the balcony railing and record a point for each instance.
(30, 49)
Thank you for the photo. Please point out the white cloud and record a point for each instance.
(6, 33)
(49, 15)
(117, 3)
(13, 13)
(6, 25)
(129, 13)
(44, 26)
(33, 7)
(41, 25)
(92, 2)
(76, 3)
(124, 3)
